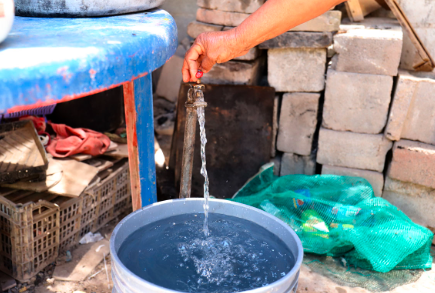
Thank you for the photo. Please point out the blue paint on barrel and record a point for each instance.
(48, 60)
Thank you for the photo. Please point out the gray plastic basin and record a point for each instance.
(126, 282)
(81, 8)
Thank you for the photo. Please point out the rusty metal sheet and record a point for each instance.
(239, 133)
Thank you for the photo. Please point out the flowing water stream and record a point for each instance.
(203, 138)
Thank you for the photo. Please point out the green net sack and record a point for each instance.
(340, 216)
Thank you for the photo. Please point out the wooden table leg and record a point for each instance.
(138, 101)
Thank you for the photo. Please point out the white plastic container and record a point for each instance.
(7, 14)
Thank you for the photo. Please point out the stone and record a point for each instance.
(356, 102)
(327, 22)
(413, 162)
(297, 70)
(420, 121)
(252, 54)
(234, 72)
(375, 179)
(411, 115)
(421, 17)
(276, 164)
(220, 17)
(181, 51)
(352, 150)
(274, 126)
(245, 6)
(299, 40)
(402, 98)
(295, 164)
(370, 51)
(297, 122)
(170, 79)
(416, 201)
(195, 28)
(181, 11)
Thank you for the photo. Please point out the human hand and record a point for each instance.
(211, 48)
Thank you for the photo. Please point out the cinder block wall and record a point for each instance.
(344, 106)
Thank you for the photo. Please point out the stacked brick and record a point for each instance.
(218, 15)
(357, 99)
(410, 181)
(296, 69)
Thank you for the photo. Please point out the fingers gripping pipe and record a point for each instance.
(195, 99)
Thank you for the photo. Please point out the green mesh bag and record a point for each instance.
(340, 216)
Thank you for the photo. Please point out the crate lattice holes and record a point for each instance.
(29, 234)
(36, 227)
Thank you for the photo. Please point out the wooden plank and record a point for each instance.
(426, 62)
(354, 10)
(99, 163)
(84, 260)
(368, 6)
(76, 177)
(140, 138)
(81, 157)
(130, 119)
(54, 175)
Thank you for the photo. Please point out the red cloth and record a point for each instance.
(71, 141)
(38, 122)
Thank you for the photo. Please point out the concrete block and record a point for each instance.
(416, 201)
(297, 70)
(413, 162)
(412, 112)
(252, 54)
(170, 79)
(275, 125)
(234, 72)
(402, 98)
(420, 121)
(220, 17)
(195, 28)
(245, 6)
(327, 22)
(356, 102)
(297, 122)
(295, 164)
(370, 51)
(376, 179)
(316, 40)
(352, 150)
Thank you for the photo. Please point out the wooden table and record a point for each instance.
(51, 60)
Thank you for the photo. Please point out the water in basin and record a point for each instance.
(174, 253)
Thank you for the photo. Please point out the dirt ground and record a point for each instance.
(309, 281)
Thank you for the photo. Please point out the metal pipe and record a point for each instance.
(193, 102)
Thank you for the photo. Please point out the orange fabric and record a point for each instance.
(71, 141)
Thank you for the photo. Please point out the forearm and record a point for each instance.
(276, 17)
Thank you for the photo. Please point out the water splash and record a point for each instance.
(203, 138)
(238, 255)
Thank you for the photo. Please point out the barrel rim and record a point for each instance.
(278, 283)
